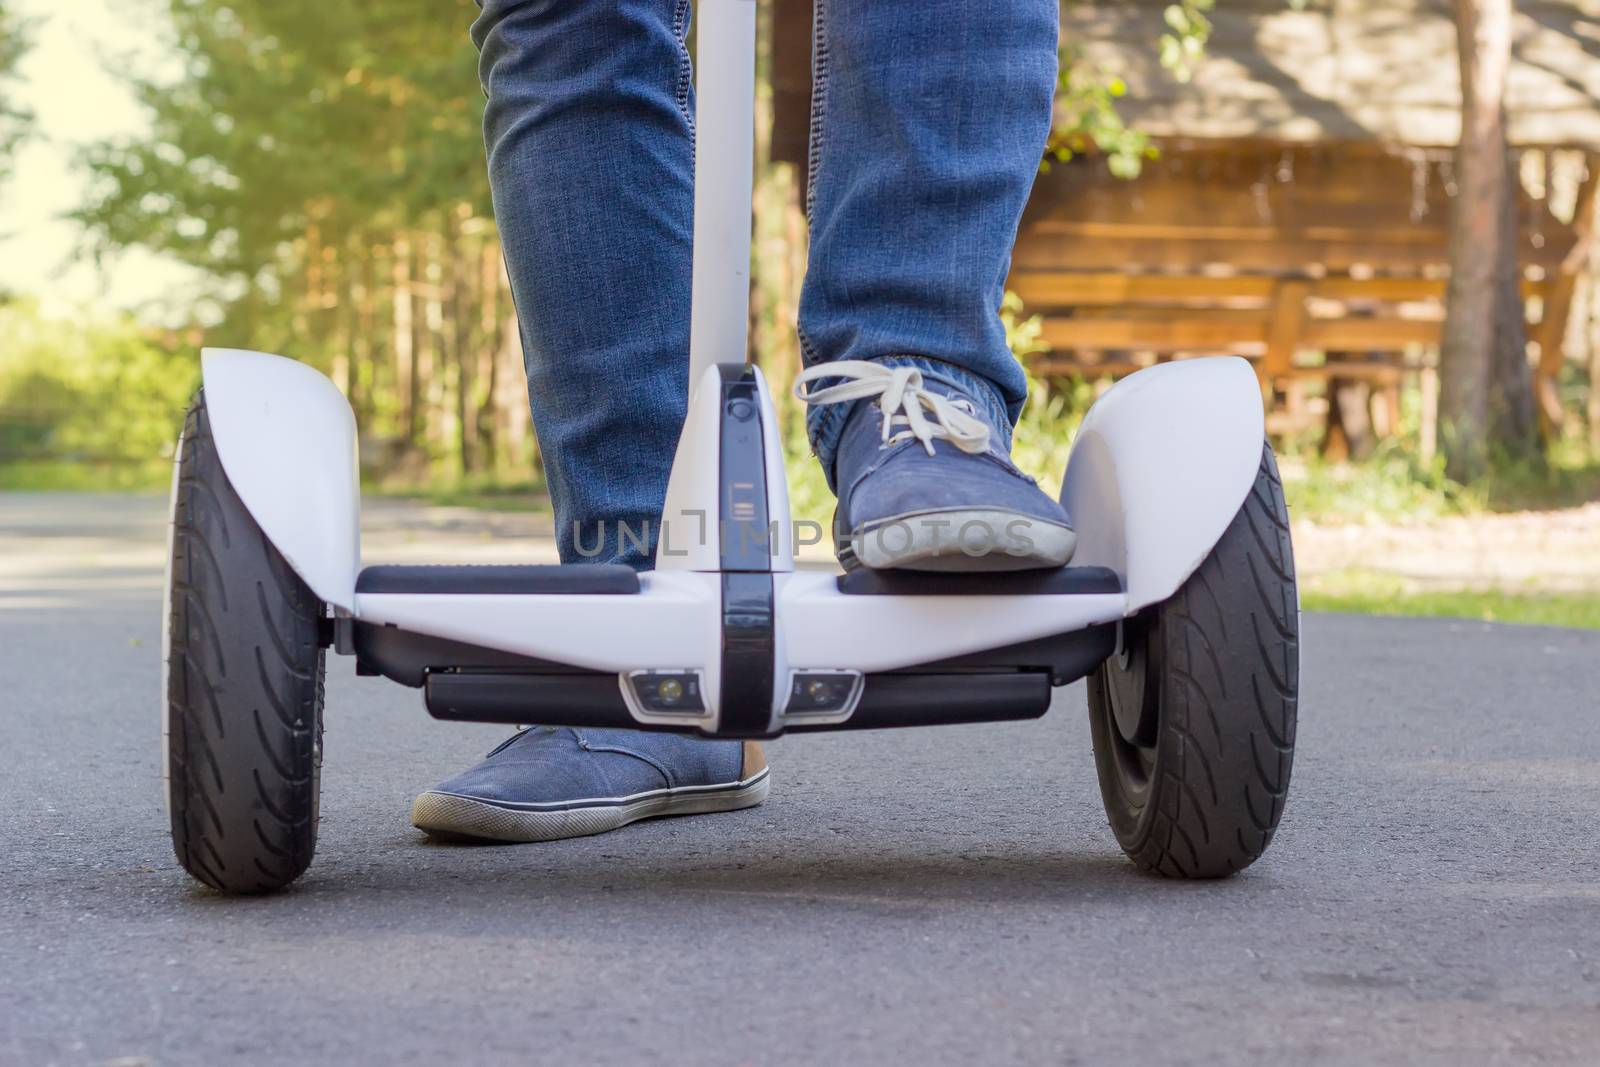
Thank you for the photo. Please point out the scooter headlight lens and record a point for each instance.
(822, 692)
(668, 691)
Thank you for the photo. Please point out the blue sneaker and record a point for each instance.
(922, 482)
(547, 783)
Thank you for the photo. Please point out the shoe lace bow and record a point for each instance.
(909, 410)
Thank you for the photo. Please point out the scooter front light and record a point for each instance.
(823, 692)
(667, 692)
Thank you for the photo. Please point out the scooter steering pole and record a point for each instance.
(719, 319)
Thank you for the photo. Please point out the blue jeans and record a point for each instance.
(929, 120)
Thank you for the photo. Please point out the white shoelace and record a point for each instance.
(908, 409)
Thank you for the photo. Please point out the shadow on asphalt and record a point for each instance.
(873, 881)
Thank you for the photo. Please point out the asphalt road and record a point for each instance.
(936, 896)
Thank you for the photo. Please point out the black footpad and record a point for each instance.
(603, 579)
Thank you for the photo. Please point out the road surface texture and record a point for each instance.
(936, 896)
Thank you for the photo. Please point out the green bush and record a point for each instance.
(95, 405)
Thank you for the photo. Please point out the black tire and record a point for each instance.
(1194, 720)
(244, 687)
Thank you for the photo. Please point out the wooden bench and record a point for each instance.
(1329, 276)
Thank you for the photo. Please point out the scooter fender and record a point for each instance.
(287, 440)
(1161, 465)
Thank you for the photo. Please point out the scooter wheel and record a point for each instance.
(244, 677)
(1194, 716)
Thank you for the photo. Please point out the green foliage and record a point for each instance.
(292, 115)
(1567, 476)
(1368, 593)
(1042, 438)
(97, 405)
(1395, 484)
(321, 166)
(1392, 484)
(14, 119)
(1188, 30)
(479, 494)
(810, 499)
(1087, 118)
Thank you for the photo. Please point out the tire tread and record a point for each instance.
(245, 687)
(1229, 699)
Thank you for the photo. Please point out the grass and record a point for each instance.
(1371, 593)
(53, 475)
(42, 476)
(1386, 488)
(1394, 486)
(1571, 477)
(479, 494)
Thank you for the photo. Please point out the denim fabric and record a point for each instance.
(929, 121)
(929, 118)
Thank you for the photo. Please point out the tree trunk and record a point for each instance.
(364, 341)
(1593, 407)
(459, 337)
(520, 440)
(420, 421)
(488, 353)
(403, 337)
(1486, 395)
(1513, 412)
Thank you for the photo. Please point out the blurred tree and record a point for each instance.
(293, 116)
(322, 164)
(14, 119)
(1486, 392)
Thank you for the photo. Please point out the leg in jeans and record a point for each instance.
(590, 148)
(591, 163)
(930, 122)
(929, 118)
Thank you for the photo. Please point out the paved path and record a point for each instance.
(1517, 552)
(935, 896)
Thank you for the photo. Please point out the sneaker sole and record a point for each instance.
(452, 816)
(910, 542)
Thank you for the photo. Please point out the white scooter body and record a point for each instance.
(751, 645)
(1160, 467)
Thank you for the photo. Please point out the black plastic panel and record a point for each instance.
(545, 699)
(601, 579)
(942, 699)
(1064, 657)
(746, 562)
(408, 657)
(747, 656)
(742, 486)
(1061, 581)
